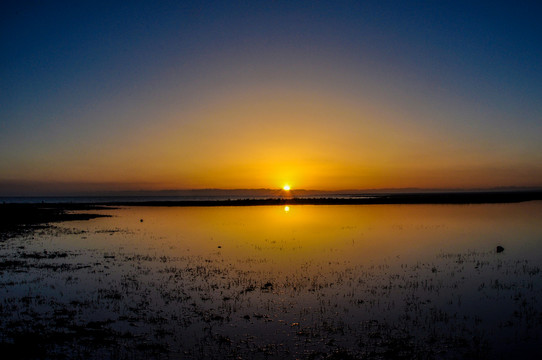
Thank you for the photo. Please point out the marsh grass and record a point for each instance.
(117, 302)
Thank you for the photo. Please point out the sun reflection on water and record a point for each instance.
(428, 269)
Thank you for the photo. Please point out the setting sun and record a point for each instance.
(286, 187)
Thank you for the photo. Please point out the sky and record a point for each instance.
(150, 95)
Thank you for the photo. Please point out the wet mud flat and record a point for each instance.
(106, 301)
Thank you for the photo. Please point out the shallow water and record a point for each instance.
(377, 281)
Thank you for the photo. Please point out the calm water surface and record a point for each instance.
(378, 281)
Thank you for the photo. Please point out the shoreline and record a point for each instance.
(486, 197)
(19, 218)
(391, 199)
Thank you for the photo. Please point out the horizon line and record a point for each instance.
(171, 192)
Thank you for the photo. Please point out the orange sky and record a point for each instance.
(309, 140)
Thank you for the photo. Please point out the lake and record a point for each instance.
(305, 281)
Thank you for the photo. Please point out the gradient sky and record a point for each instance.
(255, 94)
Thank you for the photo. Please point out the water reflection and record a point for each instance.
(364, 280)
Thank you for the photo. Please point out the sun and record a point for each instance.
(286, 187)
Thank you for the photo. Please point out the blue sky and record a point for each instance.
(85, 85)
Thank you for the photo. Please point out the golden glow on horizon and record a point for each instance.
(221, 146)
(286, 208)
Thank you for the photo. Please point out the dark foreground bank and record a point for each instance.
(16, 219)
